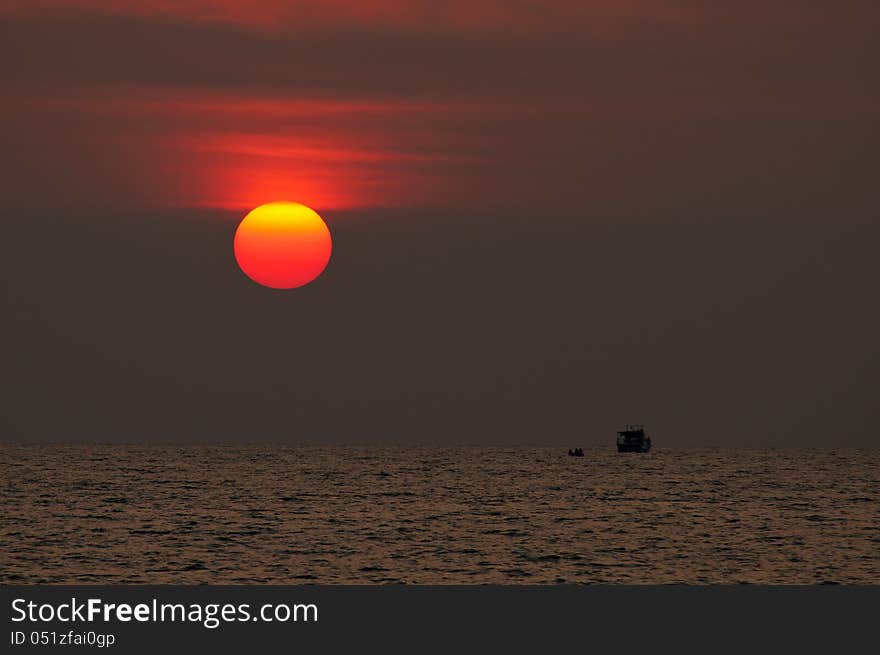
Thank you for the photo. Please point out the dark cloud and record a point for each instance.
(734, 60)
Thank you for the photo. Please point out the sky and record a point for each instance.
(549, 219)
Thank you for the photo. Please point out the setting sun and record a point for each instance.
(282, 245)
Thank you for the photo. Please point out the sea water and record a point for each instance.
(235, 514)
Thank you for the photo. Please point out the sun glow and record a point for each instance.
(282, 245)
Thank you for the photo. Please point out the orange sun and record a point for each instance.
(282, 245)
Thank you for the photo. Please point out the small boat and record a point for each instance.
(577, 452)
(632, 439)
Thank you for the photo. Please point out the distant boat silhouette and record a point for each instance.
(632, 439)
(577, 452)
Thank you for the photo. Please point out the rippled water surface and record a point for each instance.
(264, 514)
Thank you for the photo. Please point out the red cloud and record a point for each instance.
(595, 17)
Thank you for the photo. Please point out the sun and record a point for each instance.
(282, 245)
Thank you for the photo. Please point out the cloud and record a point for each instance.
(593, 49)
(422, 15)
(200, 103)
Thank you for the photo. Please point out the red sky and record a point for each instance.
(452, 15)
(226, 103)
(548, 218)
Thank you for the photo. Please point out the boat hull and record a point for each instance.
(633, 448)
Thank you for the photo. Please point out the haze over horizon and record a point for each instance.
(546, 223)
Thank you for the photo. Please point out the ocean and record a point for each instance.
(232, 514)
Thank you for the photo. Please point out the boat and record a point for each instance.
(632, 439)
(577, 452)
